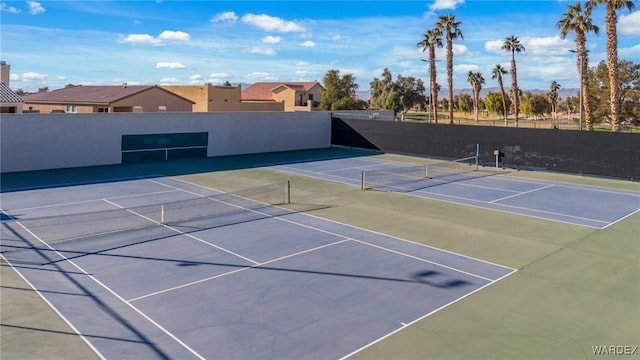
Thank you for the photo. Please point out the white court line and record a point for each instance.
(622, 218)
(91, 200)
(423, 260)
(520, 193)
(358, 228)
(404, 325)
(114, 294)
(236, 271)
(185, 234)
(73, 328)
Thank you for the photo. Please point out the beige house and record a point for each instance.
(107, 99)
(10, 102)
(209, 97)
(296, 96)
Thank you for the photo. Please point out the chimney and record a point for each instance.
(5, 73)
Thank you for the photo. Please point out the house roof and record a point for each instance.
(8, 96)
(90, 94)
(264, 90)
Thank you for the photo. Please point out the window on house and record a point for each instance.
(71, 108)
(163, 108)
(310, 97)
(137, 109)
(103, 109)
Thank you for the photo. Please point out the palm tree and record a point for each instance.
(476, 80)
(513, 44)
(611, 21)
(552, 96)
(497, 73)
(430, 40)
(578, 21)
(448, 26)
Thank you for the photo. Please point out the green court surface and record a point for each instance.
(575, 288)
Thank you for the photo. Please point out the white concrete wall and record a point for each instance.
(49, 141)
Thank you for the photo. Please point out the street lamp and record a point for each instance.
(581, 84)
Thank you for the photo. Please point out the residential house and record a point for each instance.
(296, 96)
(10, 102)
(210, 97)
(106, 99)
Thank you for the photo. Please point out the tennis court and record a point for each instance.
(158, 267)
(484, 187)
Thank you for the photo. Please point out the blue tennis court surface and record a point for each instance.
(583, 205)
(254, 283)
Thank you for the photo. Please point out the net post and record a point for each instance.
(362, 181)
(288, 193)
(477, 157)
(162, 215)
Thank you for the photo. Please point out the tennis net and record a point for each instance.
(200, 212)
(407, 178)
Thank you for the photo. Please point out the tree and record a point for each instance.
(43, 89)
(448, 25)
(380, 91)
(629, 94)
(513, 45)
(476, 80)
(410, 93)
(534, 104)
(430, 40)
(578, 21)
(339, 92)
(611, 22)
(464, 102)
(494, 103)
(552, 96)
(497, 73)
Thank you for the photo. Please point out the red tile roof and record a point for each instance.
(264, 90)
(90, 94)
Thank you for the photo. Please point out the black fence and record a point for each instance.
(596, 153)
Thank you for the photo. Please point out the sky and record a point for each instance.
(55, 43)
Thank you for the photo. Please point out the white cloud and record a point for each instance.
(270, 23)
(308, 44)
(465, 68)
(33, 76)
(35, 8)
(146, 39)
(228, 16)
(494, 46)
(259, 76)
(174, 36)
(629, 24)
(629, 53)
(271, 39)
(445, 4)
(263, 51)
(553, 45)
(141, 39)
(195, 77)
(169, 65)
(218, 76)
(304, 73)
(168, 81)
(9, 9)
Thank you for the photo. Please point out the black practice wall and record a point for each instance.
(597, 153)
